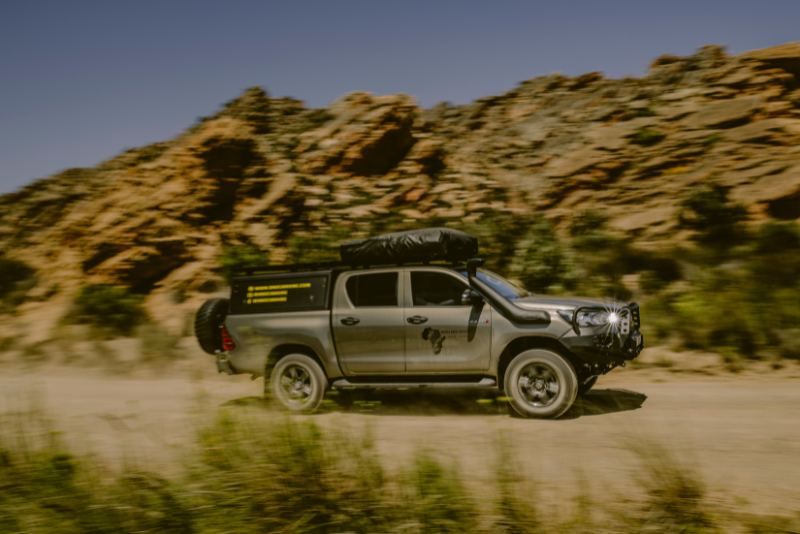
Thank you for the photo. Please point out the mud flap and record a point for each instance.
(224, 365)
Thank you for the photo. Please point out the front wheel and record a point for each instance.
(541, 384)
(298, 383)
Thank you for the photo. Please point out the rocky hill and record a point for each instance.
(270, 174)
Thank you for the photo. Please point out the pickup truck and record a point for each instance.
(427, 324)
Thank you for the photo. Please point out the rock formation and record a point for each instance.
(261, 170)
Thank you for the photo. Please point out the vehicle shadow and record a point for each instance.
(455, 402)
(604, 401)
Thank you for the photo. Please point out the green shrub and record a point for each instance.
(498, 236)
(236, 259)
(319, 244)
(107, 307)
(150, 153)
(717, 221)
(778, 237)
(544, 260)
(11, 272)
(647, 137)
(711, 140)
(588, 231)
(646, 112)
(776, 258)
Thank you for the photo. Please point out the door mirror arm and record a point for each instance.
(470, 297)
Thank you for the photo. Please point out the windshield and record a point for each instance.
(498, 283)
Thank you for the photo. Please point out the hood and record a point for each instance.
(539, 301)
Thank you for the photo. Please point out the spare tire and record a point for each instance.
(208, 322)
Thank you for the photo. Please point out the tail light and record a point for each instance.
(227, 340)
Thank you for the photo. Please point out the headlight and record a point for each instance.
(591, 318)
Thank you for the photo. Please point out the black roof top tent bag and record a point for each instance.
(411, 246)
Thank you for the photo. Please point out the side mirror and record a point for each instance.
(470, 297)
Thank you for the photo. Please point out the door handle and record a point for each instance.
(417, 319)
(350, 321)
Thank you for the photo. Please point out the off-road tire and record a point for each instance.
(207, 324)
(290, 369)
(584, 388)
(530, 384)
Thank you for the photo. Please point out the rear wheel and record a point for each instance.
(540, 384)
(298, 383)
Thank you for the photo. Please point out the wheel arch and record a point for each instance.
(521, 344)
(281, 351)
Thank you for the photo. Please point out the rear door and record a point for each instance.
(368, 325)
(441, 334)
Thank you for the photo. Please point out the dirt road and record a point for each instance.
(742, 433)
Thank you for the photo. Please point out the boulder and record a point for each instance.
(617, 136)
(785, 56)
(778, 193)
(757, 131)
(679, 95)
(684, 109)
(735, 78)
(369, 137)
(726, 113)
(575, 162)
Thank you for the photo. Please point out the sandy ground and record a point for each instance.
(741, 431)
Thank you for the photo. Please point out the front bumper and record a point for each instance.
(601, 346)
(605, 349)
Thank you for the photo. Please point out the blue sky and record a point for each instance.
(80, 81)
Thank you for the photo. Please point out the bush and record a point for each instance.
(716, 221)
(588, 231)
(777, 254)
(498, 236)
(776, 238)
(545, 260)
(647, 137)
(11, 272)
(646, 112)
(108, 307)
(711, 140)
(318, 117)
(235, 259)
(319, 244)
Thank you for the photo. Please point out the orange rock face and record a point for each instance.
(271, 174)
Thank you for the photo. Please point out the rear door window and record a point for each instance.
(377, 289)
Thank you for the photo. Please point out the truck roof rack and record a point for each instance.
(324, 265)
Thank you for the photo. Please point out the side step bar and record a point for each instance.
(484, 383)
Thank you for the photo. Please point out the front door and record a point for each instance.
(368, 322)
(442, 335)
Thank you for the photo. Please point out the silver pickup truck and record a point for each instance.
(311, 327)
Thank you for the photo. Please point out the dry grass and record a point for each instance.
(256, 471)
